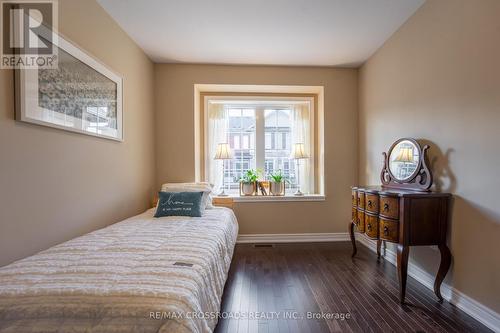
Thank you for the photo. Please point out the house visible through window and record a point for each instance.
(278, 136)
(261, 134)
(241, 134)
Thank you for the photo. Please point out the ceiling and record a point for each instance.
(263, 32)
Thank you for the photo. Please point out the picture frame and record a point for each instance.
(81, 95)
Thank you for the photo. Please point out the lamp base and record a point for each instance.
(222, 194)
(298, 193)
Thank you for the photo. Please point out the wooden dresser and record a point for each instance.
(406, 218)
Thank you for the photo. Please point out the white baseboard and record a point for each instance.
(293, 238)
(473, 308)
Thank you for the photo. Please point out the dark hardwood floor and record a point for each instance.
(266, 284)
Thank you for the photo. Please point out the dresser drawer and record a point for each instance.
(371, 203)
(389, 230)
(361, 200)
(389, 207)
(371, 225)
(354, 198)
(360, 221)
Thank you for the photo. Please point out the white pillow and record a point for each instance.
(204, 187)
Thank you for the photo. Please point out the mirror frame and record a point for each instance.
(419, 180)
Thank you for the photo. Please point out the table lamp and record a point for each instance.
(223, 153)
(298, 153)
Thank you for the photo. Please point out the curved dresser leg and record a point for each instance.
(402, 270)
(353, 241)
(444, 266)
(379, 245)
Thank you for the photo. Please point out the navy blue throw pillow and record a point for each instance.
(179, 204)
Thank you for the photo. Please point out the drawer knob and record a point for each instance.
(386, 231)
(359, 201)
(370, 203)
(369, 227)
(386, 207)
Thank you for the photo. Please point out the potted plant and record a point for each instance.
(248, 183)
(277, 183)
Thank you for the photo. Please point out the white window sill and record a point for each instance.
(286, 198)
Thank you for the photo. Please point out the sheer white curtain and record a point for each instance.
(216, 133)
(301, 133)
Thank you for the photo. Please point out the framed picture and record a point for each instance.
(79, 95)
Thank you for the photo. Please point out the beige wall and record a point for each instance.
(438, 79)
(55, 185)
(174, 88)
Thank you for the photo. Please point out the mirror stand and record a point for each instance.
(421, 178)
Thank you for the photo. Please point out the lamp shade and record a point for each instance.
(405, 155)
(298, 151)
(223, 152)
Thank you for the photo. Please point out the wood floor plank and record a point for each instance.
(243, 324)
(369, 290)
(283, 301)
(382, 293)
(426, 306)
(253, 325)
(338, 295)
(322, 278)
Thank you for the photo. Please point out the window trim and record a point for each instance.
(271, 92)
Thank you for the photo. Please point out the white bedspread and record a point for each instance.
(123, 279)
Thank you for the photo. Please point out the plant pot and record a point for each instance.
(277, 188)
(247, 188)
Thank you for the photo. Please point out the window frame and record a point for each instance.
(260, 104)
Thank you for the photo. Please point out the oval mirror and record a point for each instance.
(404, 159)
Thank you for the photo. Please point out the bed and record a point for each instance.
(143, 274)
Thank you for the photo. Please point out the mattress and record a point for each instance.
(143, 274)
